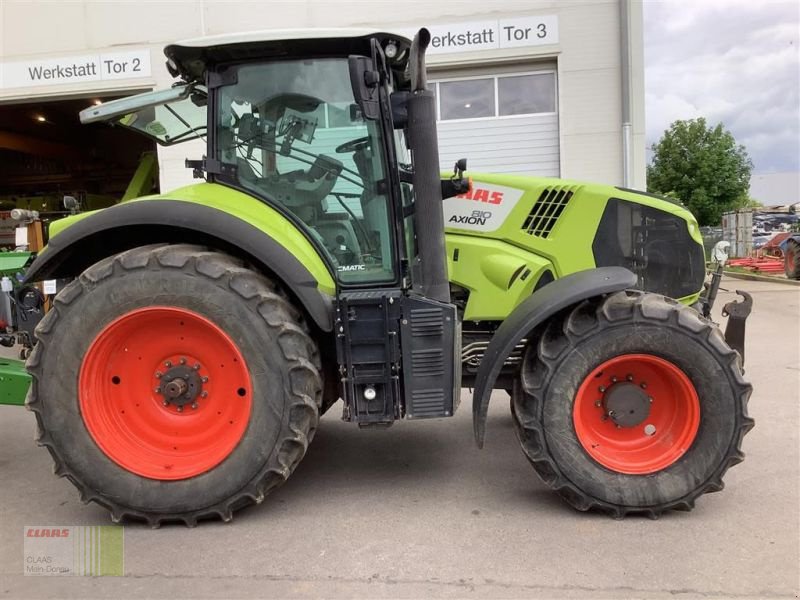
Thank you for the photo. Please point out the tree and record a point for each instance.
(703, 166)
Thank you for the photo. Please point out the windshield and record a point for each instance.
(297, 138)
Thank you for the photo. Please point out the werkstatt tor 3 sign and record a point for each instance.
(513, 32)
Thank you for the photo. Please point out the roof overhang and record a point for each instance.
(191, 58)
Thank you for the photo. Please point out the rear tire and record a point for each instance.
(791, 259)
(561, 405)
(114, 334)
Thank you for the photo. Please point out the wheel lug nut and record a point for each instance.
(602, 389)
(168, 363)
(204, 379)
(629, 377)
(183, 360)
(180, 409)
(194, 405)
(204, 394)
(643, 385)
(157, 390)
(196, 366)
(159, 374)
(613, 379)
(650, 399)
(619, 426)
(598, 404)
(165, 403)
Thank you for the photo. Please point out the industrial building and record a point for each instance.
(541, 87)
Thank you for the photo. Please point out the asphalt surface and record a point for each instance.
(418, 511)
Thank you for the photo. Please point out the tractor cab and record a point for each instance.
(310, 134)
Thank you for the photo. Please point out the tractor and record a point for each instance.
(791, 256)
(181, 374)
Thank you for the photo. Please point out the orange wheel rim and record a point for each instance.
(636, 414)
(165, 393)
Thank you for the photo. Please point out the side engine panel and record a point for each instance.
(512, 233)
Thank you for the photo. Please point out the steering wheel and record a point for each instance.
(353, 145)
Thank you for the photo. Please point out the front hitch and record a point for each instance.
(737, 313)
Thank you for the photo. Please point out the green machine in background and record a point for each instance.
(22, 305)
(14, 380)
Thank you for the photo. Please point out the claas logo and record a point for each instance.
(482, 195)
(46, 532)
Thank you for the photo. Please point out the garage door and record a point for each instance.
(502, 122)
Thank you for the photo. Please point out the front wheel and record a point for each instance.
(632, 403)
(173, 384)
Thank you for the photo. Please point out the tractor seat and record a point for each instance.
(337, 231)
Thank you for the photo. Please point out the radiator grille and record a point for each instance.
(545, 213)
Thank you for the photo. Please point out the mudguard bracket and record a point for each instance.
(737, 313)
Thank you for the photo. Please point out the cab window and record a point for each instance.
(296, 137)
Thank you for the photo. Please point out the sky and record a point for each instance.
(735, 62)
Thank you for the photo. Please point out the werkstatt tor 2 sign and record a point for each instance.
(512, 32)
(35, 72)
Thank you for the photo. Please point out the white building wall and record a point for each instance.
(587, 55)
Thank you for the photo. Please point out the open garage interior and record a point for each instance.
(46, 154)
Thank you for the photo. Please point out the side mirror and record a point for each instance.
(365, 83)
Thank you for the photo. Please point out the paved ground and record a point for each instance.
(418, 511)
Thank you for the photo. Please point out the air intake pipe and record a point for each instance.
(423, 141)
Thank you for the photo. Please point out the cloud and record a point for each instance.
(734, 62)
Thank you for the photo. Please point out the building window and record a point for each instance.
(526, 94)
(468, 99)
(499, 96)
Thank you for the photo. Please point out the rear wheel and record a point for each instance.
(791, 259)
(633, 403)
(171, 383)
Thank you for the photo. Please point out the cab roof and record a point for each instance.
(190, 58)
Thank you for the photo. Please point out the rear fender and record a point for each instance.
(532, 312)
(141, 222)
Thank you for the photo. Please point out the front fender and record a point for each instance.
(530, 313)
(148, 221)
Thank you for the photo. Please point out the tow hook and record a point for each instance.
(737, 313)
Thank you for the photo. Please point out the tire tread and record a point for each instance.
(640, 307)
(304, 389)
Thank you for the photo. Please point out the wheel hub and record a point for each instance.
(627, 404)
(165, 393)
(181, 385)
(636, 413)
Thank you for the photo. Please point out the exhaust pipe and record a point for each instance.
(431, 269)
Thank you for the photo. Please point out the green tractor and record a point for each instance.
(182, 373)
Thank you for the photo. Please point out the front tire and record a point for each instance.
(170, 383)
(632, 403)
